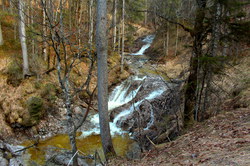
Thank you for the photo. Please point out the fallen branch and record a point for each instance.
(151, 142)
(35, 144)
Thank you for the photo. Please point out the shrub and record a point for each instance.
(35, 109)
(49, 92)
(14, 72)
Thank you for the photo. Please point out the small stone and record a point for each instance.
(134, 151)
(193, 155)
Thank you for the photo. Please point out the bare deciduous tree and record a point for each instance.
(22, 35)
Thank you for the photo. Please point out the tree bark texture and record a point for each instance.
(1, 35)
(22, 35)
(123, 33)
(44, 49)
(190, 92)
(91, 23)
(114, 24)
(102, 82)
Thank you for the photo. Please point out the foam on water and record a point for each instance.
(119, 95)
(136, 105)
(96, 129)
(148, 40)
(142, 50)
(114, 126)
(126, 112)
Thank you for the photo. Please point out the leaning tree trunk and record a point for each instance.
(1, 35)
(102, 82)
(190, 92)
(22, 34)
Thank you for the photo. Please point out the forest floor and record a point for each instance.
(223, 139)
(220, 140)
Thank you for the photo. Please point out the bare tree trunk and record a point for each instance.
(123, 34)
(22, 34)
(176, 41)
(44, 49)
(119, 39)
(146, 13)
(114, 24)
(216, 31)
(32, 40)
(28, 14)
(191, 89)
(91, 23)
(80, 8)
(1, 35)
(71, 125)
(102, 49)
(66, 88)
(167, 44)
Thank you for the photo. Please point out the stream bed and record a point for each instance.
(136, 107)
(87, 146)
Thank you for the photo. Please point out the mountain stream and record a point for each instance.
(124, 101)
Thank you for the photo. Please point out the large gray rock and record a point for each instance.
(3, 161)
(18, 161)
(134, 151)
(14, 149)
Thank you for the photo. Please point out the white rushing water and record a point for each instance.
(148, 40)
(121, 95)
(96, 129)
(115, 125)
(135, 106)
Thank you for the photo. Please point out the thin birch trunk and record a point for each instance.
(22, 34)
(44, 49)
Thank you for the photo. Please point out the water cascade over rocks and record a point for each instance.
(148, 41)
(146, 107)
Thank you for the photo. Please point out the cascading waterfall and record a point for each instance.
(124, 94)
(120, 95)
(135, 106)
(148, 40)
